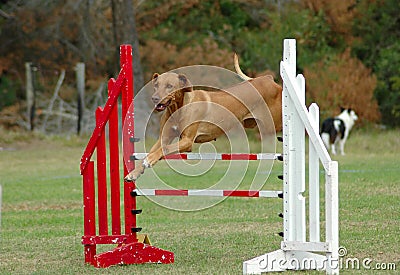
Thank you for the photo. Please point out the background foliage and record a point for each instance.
(378, 46)
(347, 50)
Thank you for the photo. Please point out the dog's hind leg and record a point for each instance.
(341, 146)
(333, 148)
(325, 139)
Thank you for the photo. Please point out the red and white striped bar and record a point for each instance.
(209, 193)
(215, 156)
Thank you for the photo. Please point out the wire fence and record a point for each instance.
(50, 113)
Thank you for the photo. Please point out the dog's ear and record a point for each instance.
(155, 76)
(342, 109)
(184, 83)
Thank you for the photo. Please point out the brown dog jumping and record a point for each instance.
(198, 116)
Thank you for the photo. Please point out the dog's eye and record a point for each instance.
(169, 86)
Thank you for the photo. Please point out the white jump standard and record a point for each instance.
(297, 251)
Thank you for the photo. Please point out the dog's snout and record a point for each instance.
(155, 99)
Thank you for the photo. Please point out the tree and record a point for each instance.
(377, 45)
(124, 29)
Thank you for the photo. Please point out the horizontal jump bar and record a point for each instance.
(214, 156)
(209, 193)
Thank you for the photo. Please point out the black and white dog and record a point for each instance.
(335, 130)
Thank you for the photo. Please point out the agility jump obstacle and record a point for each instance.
(298, 251)
(130, 249)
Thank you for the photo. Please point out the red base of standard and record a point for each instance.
(133, 253)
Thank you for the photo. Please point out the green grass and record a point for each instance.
(42, 222)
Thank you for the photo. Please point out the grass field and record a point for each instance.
(42, 224)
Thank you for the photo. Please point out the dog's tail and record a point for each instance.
(237, 68)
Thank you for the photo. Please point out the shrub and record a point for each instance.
(7, 92)
(342, 81)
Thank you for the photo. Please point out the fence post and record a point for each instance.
(80, 85)
(30, 95)
(1, 196)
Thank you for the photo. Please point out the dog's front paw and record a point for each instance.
(134, 175)
(151, 160)
(130, 178)
(146, 163)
